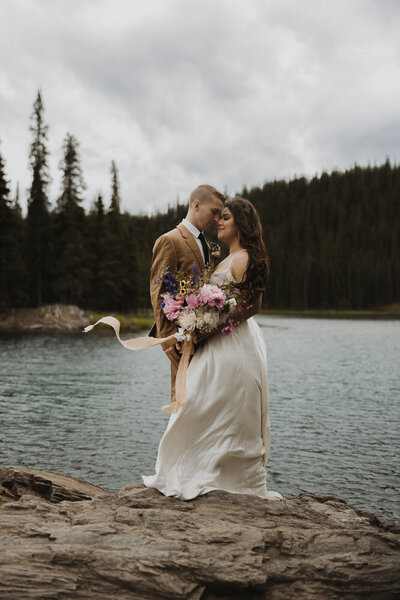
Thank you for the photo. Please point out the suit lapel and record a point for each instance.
(211, 263)
(192, 244)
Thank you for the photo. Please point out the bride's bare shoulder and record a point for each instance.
(239, 264)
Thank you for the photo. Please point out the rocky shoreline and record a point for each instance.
(65, 318)
(50, 317)
(62, 537)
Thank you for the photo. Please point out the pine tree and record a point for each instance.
(38, 219)
(12, 270)
(114, 267)
(132, 292)
(16, 203)
(115, 199)
(71, 252)
(5, 217)
(100, 295)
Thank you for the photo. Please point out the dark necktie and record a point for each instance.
(205, 248)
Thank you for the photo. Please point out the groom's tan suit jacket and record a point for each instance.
(178, 250)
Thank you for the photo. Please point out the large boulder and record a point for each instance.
(50, 317)
(139, 544)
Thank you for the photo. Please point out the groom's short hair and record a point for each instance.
(203, 193)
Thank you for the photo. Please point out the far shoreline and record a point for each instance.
(61, 318)
(326, 313)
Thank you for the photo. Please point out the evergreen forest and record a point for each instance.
(333, 240)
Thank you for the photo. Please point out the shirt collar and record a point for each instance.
(193, 230)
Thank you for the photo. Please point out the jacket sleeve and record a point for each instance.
(164, 255)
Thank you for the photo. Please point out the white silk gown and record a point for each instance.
(220, 438)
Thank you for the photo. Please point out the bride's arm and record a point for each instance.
(250, 305)
(246, 310)
(239, 315)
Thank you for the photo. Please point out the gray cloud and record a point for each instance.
(177, 92)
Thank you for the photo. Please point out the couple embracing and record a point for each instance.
(219, 439)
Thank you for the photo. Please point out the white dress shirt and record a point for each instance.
(195, 232)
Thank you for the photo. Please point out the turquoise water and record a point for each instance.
(85, 406)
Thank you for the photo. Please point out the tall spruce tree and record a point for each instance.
(71, 252)
(12, 269)
(115, 199)
(115, 269)
(16, 203)
(5, 219)
(38, 219)
(100, 294)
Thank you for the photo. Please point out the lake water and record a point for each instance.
(85, 406)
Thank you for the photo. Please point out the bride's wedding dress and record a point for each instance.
(220, 438)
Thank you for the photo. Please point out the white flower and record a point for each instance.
(187, 319)
(181, 336)
(232, 304)
(208, 320)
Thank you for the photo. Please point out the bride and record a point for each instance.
(220, 438)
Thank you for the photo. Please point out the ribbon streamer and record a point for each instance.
(149, 342)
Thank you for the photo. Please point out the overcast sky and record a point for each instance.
(183, 92)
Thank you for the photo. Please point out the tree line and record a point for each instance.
(332, 241)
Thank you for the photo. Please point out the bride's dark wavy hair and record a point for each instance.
(251, 239)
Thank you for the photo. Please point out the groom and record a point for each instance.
(179, 249)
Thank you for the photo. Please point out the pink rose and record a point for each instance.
(212, 295)
(172, 307)
(218, 301)
(228, 329)
(192, 301)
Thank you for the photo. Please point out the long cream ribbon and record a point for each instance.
(149, 342)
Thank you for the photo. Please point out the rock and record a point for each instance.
(15, 482)
(139, 544)
(51, 317)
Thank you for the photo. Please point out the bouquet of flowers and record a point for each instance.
(196, 305)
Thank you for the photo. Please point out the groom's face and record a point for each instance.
(208, 213)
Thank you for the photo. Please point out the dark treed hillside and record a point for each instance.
(333, 242)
